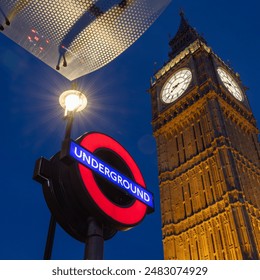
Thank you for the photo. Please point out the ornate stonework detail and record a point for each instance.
(189, 50)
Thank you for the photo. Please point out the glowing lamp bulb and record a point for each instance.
(73, 101)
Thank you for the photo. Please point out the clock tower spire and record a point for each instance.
(185, 35)
(208, 154)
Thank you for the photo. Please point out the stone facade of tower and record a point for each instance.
(208, 155)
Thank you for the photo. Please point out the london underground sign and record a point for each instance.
(94, 177)
(89, 165)
(95, 164)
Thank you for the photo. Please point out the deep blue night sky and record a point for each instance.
(119, 105)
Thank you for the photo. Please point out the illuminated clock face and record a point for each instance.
(176, 85)
(230, 84)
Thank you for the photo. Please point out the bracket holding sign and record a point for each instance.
(94, 177)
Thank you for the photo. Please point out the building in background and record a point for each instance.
(208, 154)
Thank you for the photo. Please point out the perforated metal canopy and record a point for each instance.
(76, 37)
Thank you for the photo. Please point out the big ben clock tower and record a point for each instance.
(208, 155)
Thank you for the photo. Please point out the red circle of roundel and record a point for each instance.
(131, 215)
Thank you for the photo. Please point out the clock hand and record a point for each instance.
(229, 84)
(174, 87)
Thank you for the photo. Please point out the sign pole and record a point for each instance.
(52, 224)
(94, 249)
(50, 239)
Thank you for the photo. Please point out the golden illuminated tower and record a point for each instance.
(208, 155)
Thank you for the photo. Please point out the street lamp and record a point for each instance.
(72, 101)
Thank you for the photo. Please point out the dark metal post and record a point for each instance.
(50, 239)
(70, 118)
(52, 224)
(94, 249)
